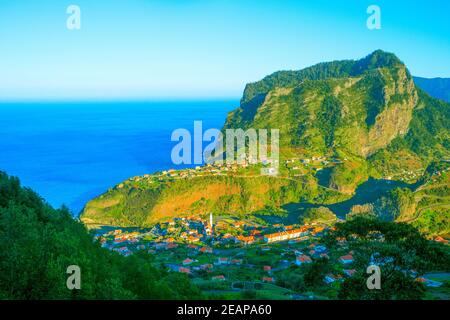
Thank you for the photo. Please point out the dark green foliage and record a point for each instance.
(375, 100)
(315, 273)
(329, 117)
(402, 241)
(247, 111)
(429, 127)
(396, 202)
(319, 71)
(38, 243)
(291, 278)
(397, 286)
(402, 250)
(377, 59)
(326, 70)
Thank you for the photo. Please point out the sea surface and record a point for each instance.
(72, 152)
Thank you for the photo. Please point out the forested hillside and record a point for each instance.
(38, 243)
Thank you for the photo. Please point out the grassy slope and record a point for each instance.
(141, 205)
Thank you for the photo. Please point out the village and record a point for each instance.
(291, 168)
(227, 255)
(288, 168)
(230, 255)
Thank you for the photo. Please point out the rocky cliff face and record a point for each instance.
(359, 114)
(400, 99)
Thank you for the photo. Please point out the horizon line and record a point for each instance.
(118, 100)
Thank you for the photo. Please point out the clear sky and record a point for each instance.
(144, 49)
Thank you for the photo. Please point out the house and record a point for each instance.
(187, 261)
(377, 260)
(268, 279)
(236, 261)
(349, 272)
(341, 240)
(302, 260)
(346, 259)
(255, 232)
(124, 251)
(193, 239)
(317, 230)
(440, 240)
(206, 250)
(119, 240)
(173, 267)
(320, 249)
(220, 277)
(429, 283)
(222, 261)
(324, 255)
(329, 278)
(206, 266)
(285, 235)
(246, 240)
(184, 270)
(267, 268)
(171, 245)
(160, 245)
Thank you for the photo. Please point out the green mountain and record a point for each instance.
(436, 87)
(368, 112)
(366, 117)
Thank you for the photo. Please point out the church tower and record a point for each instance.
(211, 222)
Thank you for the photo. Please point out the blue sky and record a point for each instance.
(143, 49)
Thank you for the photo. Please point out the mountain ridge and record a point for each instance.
(438, 88)
(367, 116)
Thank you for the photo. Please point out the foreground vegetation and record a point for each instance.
(38, 243)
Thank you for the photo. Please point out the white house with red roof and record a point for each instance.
(347, 259)
(349, 272)
(302, 260)
(187, 261)
(268, 279)
(223, 261)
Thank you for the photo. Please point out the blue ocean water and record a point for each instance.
(72, 152)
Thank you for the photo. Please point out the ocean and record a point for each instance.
(71, 152)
